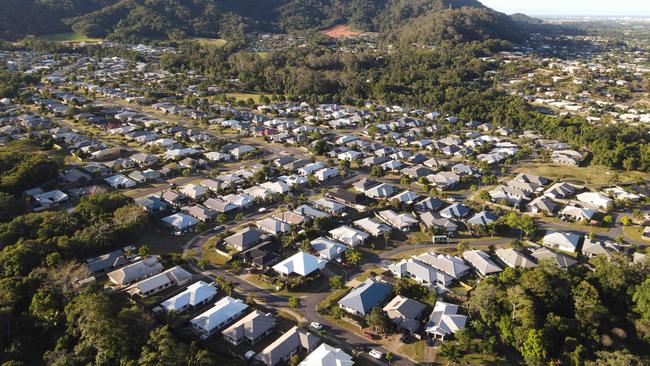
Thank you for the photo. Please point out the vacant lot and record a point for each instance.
(342, 31)
(591, 176)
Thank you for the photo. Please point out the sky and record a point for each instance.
(572, 7)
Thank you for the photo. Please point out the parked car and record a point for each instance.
(315, 325)
(376, 354)
(440, 239)
(218, 228)
(369, 335)
(262, 209)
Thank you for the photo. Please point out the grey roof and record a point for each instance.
(106, 261)
(251, 326)
(483, 218)
(244, 238)
(366, 296)
(286, 344)
(455, 211)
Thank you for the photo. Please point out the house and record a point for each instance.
(455, 211)
(403, 222)
(595, 199)
(592, 248)
(365, 296)
(577, 213)
(200, 212)
(532, 179)
(326, 173)
(445, 320)
(364, 184)
(565, 241)
(262, 255)
(328, 249)
(453, 266)
(560, 190)
(567, 157)
(251, 328)
(301, 263)
(194, 191)
(144, 160)
(151, 204)
(543, 205)
(562, 260)
(120, 181)
(514, 196)
(240, 200)
(420, 272)
(349, 236)
(273, 226)
(514, 258)
(309, 211)
(175, 276)
(434, 220)
(310, 168)
(286, 346)
(221, 314)
(211, 184)
(404, 312)
(197, 294)
(290, 217)
(50, 199)
(483, 218)
(326, 355)
(180, 222)
(244, 239)
(173, 198)
(135, 272)
(429, 204)
(106, 262)
(329, 205)
(219, 205)
(622, 195)
(345, 197)
(372, 227)
(406, 197)
(276, 187)
(481, 262)
(382, 190)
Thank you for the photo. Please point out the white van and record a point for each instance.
(376, 354)
(440, 239)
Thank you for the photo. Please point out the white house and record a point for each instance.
(195, 295)
(301, 263)
(224, 312)
(565, 241)
(595, 199)
(349, 236)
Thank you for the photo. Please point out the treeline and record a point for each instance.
(571, 317)
(46, 318)
(425, 21)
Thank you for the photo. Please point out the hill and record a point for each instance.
(410, 20)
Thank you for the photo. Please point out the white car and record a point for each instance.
(376, 354)
(315, 325)
(262, 209)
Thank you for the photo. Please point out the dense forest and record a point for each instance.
(408, 20)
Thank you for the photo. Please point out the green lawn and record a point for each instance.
(414, 351)
(591, 176)
(67, 37)
(244, 96)
(634, 233)
(215, 42)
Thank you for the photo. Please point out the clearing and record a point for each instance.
(68, 38)
(591, 176)
(342, 31)
(215, 42)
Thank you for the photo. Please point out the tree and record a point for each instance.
(378, 320)
(294, 360)
(294, 302)
(336, 312)
(376, 171)
(534, 349)
(336, 282)
(143, 250)
(616, 358)
(451, 352)
(353, 256)
(389, 357)
(487, 300)
(588, 308)
(641, 299)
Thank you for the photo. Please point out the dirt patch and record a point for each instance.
(342, 31)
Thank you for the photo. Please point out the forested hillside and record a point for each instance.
(409, 20)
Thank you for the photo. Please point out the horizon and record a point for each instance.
(575, 8)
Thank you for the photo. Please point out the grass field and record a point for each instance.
(215, 42)
(67, 38)
(591, 176)
(244, 96)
